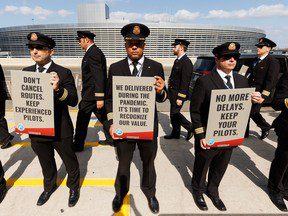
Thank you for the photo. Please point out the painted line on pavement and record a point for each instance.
(36, 182)
(125, 209)
(87, 182)
(92, 144)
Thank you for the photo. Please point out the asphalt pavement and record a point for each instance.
(243, 188)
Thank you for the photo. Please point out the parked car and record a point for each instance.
(205, 64)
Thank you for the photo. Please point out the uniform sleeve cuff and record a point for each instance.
(99, 96)
(110, 122)
(200, 132)
(182, 96)
(265, 93)
(62, 93)
(110, 116)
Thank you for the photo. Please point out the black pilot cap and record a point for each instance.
(181, 42)
(84, 34)
(266, 42)
(36, 38)
(135, 31)
(228, 48)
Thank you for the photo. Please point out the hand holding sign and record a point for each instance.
(159, 84)
(111, 131)
(54, 80)
(179, 102)
(100, 104)
(256, 97)
(203, 144)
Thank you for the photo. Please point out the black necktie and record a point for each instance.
(135, 71)
(41, 69)
(229, 84)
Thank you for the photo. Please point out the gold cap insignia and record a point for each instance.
(34, 37)
(232, 46)
(261, 40)
(136, 30)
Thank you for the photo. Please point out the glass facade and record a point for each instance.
(108, 38)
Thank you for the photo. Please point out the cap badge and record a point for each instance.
(232, 46)
(136, 30)
(34, 37)
(261, 40)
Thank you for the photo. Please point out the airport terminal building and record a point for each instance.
(203, 38)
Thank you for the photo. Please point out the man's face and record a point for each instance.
(82, 43)
(134, 49)
(263, 50)
(176, 49)
(227, 63)
(40, 54)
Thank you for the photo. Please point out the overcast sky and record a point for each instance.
(269, 15)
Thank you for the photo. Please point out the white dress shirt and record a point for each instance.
(181, 56)
(89, 47)
(139, 65)
(263, 57)
(45, 66)
(223, 75)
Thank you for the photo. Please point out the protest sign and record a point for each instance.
(133, 107)
(228, 117)
(33, 104)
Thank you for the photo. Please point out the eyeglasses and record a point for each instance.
(228, 57)
(39, 47)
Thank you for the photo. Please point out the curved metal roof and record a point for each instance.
(110, 24)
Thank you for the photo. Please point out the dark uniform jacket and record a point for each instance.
(264, 75)
(280, 102)
(180, 78)
(199, 109)
(94, 74)
(66, 96)
(3, 93)
(150, 69)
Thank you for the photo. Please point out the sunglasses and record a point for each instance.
(260, 46)
(227, 57)
(39, 47)
(135, 43)
(79, 39)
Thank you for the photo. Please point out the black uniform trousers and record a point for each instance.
(278, 176)
(83, 118)
(216, 160)
(258, 118)
(45, 152)
(177, 119)
(4, 133)
(2, 179)
(125, 149)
